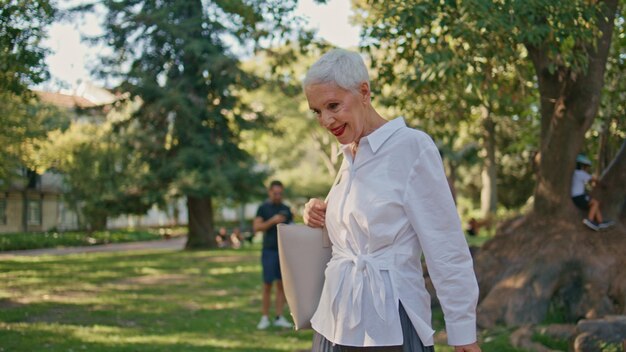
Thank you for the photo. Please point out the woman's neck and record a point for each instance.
(373, 121)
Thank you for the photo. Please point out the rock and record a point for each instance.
(559, 331)
(523, 338)
(597, 334)
(586, 342)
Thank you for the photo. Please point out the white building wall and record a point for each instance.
(154, 218)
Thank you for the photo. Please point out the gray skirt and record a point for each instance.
(412, 342)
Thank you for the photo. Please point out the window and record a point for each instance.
(3, 211)
(34, 179)
(34, 212)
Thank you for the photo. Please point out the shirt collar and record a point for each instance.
(377, 138)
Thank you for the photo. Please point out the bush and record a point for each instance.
(30, 240)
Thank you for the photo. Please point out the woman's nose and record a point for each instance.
(326, 119)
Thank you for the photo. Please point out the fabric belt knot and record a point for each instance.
(360, 262)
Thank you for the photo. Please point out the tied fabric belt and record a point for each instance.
(371, 265)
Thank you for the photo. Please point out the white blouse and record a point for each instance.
(393, 202)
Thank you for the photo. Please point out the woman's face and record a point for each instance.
(340, 111)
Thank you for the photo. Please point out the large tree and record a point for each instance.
(179, 57)
(23, 122)
(103, 175)
(23, 26)
(578, 276)
(546, 261)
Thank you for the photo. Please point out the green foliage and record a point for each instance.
(609, 130)
(447, 58)
(293, 146)
(30, 240)
(22, 28)
(180, 59)
(22, 122)
(455, 76)
(497, 339)
(103, 175)
(185, 73)
(24, 126)
(610, 347)
(517, 148)
(445, 50)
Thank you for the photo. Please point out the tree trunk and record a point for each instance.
(569, 104)
(201, 234)
(488, 192)
(612, 186)
(25, 210)
(97, 222)
(604, 152)
(548, 262)
(452, 178)
(330, 160)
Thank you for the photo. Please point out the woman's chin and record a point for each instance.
(345, 138)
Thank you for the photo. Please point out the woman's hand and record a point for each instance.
(467, 348)
(315, 213)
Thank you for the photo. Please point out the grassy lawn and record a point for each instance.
(146, 301)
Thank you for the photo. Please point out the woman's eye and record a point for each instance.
(333, 106)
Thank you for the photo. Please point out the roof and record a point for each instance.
(85, 96)
(64, 100)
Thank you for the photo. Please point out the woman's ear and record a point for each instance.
(364, 90)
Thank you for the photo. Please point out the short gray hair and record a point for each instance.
(342, 67)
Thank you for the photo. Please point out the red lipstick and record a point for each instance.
(338, 131)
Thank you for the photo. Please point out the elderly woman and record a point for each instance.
(392, 203)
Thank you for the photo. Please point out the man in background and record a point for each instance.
(271, 213)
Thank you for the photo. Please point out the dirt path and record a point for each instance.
(171, 244)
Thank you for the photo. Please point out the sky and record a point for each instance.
(71, 60)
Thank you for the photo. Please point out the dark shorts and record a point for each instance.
(582, 201)
(271, 265)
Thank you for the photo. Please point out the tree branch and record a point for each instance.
(612, 188)
(328, 162)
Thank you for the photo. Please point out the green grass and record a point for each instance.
(477, 241)
(137, 301)
(147, 301)
(497, 339)
(29, 240)
(552, 343)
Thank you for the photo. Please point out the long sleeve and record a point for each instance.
(431, 211)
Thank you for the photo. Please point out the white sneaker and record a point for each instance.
(591, 224)
(282, 322)
(264, 323)
(606, 224)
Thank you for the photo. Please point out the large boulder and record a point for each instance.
(598, 335)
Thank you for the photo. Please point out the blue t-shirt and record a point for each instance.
(266, 211)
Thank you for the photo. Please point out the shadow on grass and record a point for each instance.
(38, 340)
(138, 301)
